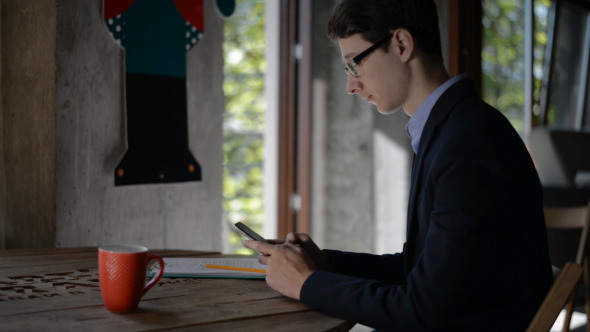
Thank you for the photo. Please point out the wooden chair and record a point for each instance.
(573, 218)
(558, 295)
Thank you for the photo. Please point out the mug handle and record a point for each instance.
(157, 276)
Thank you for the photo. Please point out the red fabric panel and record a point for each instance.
(193, 12)
(113, 8)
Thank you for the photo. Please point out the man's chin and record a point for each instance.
(388, 111)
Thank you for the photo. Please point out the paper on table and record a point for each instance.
(195, 267)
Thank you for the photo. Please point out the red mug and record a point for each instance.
(122, 273)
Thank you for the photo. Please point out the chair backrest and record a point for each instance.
(556, 298)
(570, 218)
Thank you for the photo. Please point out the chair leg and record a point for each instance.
(587, 293)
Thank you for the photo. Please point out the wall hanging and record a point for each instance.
(156, 35)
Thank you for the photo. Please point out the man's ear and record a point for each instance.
(404, 43)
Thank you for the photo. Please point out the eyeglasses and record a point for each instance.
(351, 66)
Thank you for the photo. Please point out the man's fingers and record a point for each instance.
(261, 247)
(263, 259)
(298, 238)
(293, 246)
(291, 237)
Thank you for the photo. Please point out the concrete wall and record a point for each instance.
(342, 163)
(361, 163)
(86, 112)
(360, 158)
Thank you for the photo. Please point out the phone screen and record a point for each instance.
(249, 233)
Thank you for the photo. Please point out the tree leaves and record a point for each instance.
(243, 147)
(503, 55)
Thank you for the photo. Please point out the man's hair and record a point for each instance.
(374, 19)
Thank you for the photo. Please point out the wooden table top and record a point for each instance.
(58, 290)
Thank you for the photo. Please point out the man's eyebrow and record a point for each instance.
(348, 56)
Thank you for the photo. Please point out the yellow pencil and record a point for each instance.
(234, 268)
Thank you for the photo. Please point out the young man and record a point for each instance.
(475, 257)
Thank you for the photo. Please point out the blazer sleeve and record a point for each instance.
(388, 269)
(369, 302)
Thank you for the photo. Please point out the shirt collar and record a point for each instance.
(416, 124)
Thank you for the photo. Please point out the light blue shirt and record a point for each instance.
(415, 126)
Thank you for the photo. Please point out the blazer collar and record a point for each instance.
(464, 88)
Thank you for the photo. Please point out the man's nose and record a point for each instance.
(353, 85)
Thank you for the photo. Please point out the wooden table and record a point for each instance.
(58, 290)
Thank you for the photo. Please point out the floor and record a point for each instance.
(578, 323)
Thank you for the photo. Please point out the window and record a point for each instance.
(267, 179)
(244, 125)
(503, 56)
(564, 102)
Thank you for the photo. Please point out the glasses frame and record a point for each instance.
(350, 66)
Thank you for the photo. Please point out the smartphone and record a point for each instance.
(249, 233)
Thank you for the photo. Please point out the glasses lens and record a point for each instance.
(350, 68)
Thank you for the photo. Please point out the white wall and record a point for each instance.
(271, 118)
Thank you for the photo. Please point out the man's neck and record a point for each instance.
(426, 77)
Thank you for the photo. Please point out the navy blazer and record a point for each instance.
(476, 255)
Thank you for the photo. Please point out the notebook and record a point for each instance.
(211, 267)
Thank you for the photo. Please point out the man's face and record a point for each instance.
(382, 76)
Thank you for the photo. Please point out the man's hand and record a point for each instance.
(290, 262)
(319, 257)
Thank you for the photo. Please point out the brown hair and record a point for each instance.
(374, 19)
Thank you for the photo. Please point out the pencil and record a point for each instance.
(234, 268)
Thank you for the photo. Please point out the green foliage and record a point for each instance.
(243, 146)
(503, 55)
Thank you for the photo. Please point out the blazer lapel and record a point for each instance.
(442, 108)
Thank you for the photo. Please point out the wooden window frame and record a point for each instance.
(465, 35)
(294, 145)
